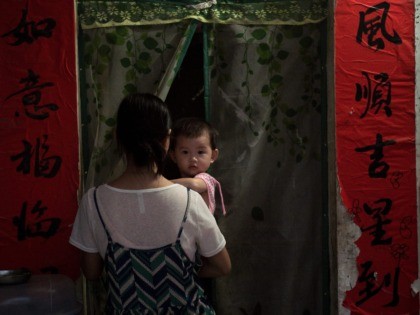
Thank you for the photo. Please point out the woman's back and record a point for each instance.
(146, 219)
(160, 280)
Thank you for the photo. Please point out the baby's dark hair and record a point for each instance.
(143, 122)
(192, 127)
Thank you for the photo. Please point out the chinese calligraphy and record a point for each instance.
(379, 215)
(378, 185)
(43, 228)
(32, 97)
(43, 166)
(370, 23)
(28, 32)
(376, 97)
(39, 139)
(377, 156)
(370, 281)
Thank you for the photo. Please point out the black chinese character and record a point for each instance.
(376, 156)
(42, 228)
(378, 97)
(379, 214)
(32, 97)
(369, 279)
(28, 32)
(44, 166)
(371, 22)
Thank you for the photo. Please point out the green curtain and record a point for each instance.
(121, 60)
(94, 13)
(265, 102)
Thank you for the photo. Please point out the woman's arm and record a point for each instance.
(216, 266)
(92, 265)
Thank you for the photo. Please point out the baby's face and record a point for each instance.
(193, 155)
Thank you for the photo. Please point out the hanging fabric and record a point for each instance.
(93, 13)
(118, 61)
(265, 92)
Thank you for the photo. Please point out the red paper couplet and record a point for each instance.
(376, 158)
(39, 147)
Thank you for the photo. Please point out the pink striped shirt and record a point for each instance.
(211, 184)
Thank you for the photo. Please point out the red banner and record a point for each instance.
(39, 149)
(376, 158)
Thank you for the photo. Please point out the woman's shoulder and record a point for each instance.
(183, 194)
(198, 206)
(177, 192)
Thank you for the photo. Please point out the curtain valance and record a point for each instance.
(94, 14)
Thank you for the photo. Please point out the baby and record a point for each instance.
(193, 149)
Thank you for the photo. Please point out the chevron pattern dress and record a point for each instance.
(161, 281)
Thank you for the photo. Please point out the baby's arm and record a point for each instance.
(196, 184)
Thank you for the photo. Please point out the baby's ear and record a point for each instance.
(214, 155)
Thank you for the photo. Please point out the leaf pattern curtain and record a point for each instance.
(118, 61)
(263, 95)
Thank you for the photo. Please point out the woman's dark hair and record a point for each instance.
(193, 127)
(143, 122)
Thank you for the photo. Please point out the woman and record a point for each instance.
(144, 230)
